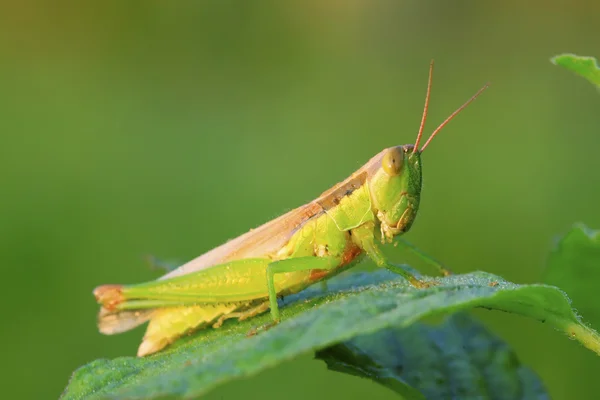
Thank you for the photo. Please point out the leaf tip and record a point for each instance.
(584, 66)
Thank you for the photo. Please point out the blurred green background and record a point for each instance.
(135, 128)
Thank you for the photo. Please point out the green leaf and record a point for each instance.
(574, 266)
(457, 360)
(359, 304)
(586, 67)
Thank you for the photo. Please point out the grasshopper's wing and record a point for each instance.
(110, 322)
(266, 239)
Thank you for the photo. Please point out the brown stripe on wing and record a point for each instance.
(334, 196)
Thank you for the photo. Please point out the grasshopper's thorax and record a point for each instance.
(395, 190)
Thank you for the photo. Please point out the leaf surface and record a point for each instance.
(459, 359)
(353, 305)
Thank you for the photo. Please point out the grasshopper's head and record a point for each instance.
(395, 182)
(396, 189)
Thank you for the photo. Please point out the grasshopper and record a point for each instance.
(245, 276)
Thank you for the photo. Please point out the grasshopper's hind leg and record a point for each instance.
(290, 265)
(294, 265)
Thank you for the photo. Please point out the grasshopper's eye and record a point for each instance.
(392, 162)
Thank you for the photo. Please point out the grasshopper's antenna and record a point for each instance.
(453, 115)
(420, 134)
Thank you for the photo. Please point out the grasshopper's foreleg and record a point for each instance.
(424, 256)
(364, 237)
(293, 265)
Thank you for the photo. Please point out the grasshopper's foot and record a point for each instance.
(261, 328)
(224, 317)
(242, 315)
(445, 272)
(422, 284)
